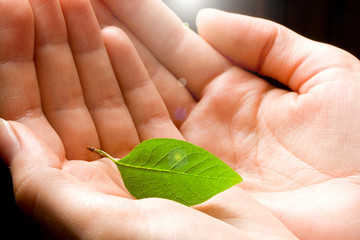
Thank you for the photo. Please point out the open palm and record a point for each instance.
(297, 149)
(58, 80)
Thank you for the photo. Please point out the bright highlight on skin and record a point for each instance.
(187, 5)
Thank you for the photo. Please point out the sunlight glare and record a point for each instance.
(187, 5)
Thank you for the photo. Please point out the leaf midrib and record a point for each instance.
(176, 173)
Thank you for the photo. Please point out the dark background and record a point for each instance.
(332, 21)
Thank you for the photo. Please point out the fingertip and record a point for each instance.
(120, 48)
(106, 29)
(112, 32)
(204, 14)
(116, 41)
(107, 32)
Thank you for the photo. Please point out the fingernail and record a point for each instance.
(9, 143)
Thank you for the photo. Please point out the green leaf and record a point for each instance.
(175, 170)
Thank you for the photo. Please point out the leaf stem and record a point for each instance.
(101, 153)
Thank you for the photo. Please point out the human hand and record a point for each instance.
(61, 83)
(297, 150)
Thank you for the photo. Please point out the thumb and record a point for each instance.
(51, 196)
(268, 48)
(25, 154)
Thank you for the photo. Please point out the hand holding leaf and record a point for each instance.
(54, 179)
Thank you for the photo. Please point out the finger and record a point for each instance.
(61, 94)
(16, 52)
(173, 91)
(268, 48)
(144, 102)
(19, 93)
(177, 47)
(101, 90)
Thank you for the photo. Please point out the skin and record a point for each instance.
(57, 66)
(296, 150)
